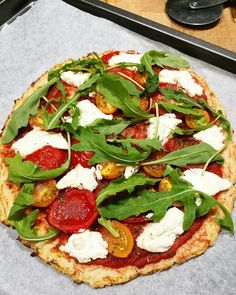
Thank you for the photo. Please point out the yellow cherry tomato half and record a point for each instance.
(36, 121)
(193, 121)
(165, 185)
(111, 170)
(104, 106)
(44, 193)
(121, 246)
(155, 170)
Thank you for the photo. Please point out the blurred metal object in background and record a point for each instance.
(195, 12)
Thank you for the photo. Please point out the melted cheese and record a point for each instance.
(37, 139)
(75, 79)
(86, 246)
(213, 136)
(89, 113)
(207, 182)
(160, 236)
(130, 170)
(125, 57)
(80, 177)
(182, 78)
(166, 126)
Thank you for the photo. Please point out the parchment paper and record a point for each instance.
(51, 32)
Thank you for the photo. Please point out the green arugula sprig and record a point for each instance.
(91, 65)
(143, 201)
(162, 59)
(21, 115)
(104, 152)
(104, 126)
(121, 184)
(196, 154)
(117, 92)
(24, 223)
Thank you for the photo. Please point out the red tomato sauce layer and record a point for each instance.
(140, 257)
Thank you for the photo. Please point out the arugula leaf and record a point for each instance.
(159, 202)
(117, 92)
(104, 126)
(53, 120)
(108, 225)
(21, 115)
(89, 64)
(226, 222)
(23, 223)
(106, 152)
(144, 144)
(162, 59)
(152, 83)
(61, 88)
(195, 154)
(170, 107)
(20, 171)
(179, 96)
(121, 184)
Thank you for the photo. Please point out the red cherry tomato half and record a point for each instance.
(106, 57)
(179, 142)
(48, 157)
(73, 210)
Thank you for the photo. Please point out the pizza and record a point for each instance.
(117, 165)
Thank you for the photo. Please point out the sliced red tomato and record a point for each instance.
(107, 56)
(179, 142)
(137, 131)
(73, 210)
(48, 157)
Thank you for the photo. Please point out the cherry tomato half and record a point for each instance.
(154, 170)
(122, 245)
(48, 157)
(111, 170)
(44, 193)
(73, 210)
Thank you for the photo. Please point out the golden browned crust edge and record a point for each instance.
(99, 276)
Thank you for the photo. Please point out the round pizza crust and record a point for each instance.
(100, 276)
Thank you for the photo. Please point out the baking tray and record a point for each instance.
(225, 59)
(195, 47)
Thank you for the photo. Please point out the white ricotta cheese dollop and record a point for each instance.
(37, 139)
(213, 136)
(207, 182)
(166, 126)
(130, 170)
(86, 246)
(182, 78)
(125, 57)
(89, 113)
(160, 236)
(80, 177)
(75, 79)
